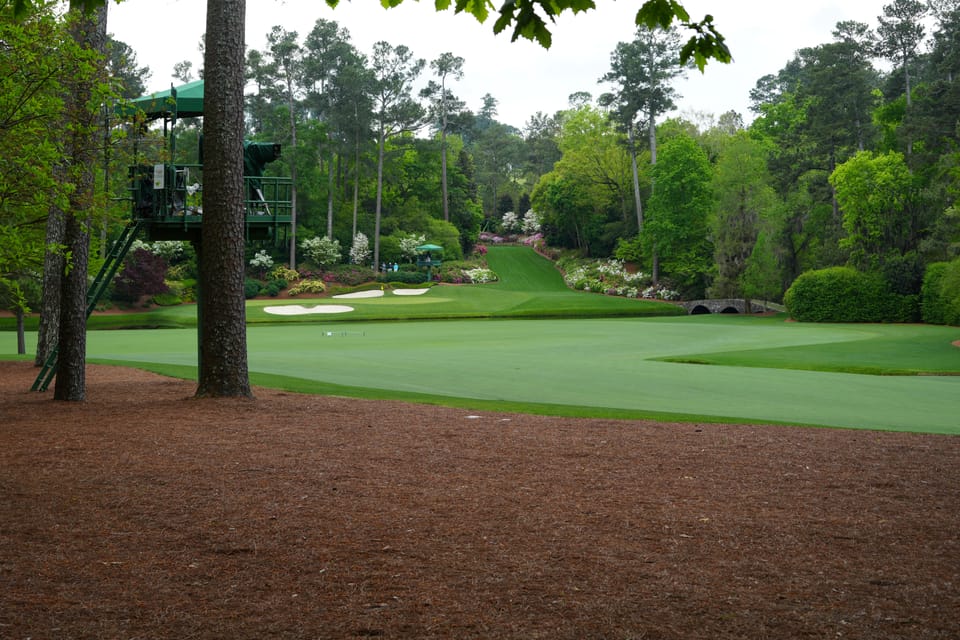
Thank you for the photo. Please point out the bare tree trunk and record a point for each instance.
(89, 31)
(443, 169)
(376, 227)
(636, 179)
(48, 332)
(223, 338)
(293, 174)
(21, 336)
(330, 187)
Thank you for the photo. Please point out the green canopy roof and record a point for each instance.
(187, 104)
(429, 247)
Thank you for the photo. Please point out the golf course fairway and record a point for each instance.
(581, 367)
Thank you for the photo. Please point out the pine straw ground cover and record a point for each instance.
(143, 513)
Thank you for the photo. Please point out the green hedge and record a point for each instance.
(843, 294)
(407, 277)
(941, 293)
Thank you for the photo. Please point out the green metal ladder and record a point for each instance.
(118, 251)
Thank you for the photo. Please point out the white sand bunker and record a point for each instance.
(373, 293)
(299, 309)
(409, 292)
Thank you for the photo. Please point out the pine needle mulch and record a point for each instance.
(145, 513)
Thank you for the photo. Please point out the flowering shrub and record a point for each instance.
(486, 236)
(261, 261)
(321, 251)
(612, 278)
(510, 222)
(480, 250)
(360, 249)
(535, 240)
(349, 275)
(307, 286)
(660, 292)
(169, 250)
(479, 275)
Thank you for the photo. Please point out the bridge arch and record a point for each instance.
(728, 305)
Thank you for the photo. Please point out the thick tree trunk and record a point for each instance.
(21, 334)
(48, 332)
(223, 339)
(89, 30)
(71, 355)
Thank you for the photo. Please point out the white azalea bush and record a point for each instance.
(612, 278)
(261, 261)
(479, 275)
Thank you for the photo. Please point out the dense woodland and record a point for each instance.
(849, 161)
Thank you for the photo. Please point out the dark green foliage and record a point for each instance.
(843, 294)
(941, 293)
(251, 288)
(274, 287)
(408, 277)
(142, 275)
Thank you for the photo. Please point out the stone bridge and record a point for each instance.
(729, 305)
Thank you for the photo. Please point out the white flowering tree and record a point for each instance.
(360, 249)
(321, 250)
(409, 244)
(510, 221)
(531, 222)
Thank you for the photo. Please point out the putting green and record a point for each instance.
(598, 363)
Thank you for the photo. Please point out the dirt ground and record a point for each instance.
(145, 513)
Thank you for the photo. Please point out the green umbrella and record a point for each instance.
(429, 247)
(185, 101)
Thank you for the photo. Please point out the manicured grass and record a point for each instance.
(598, 367)
(877, 349)
(591, 363)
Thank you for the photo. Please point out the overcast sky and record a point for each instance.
(522, 76)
